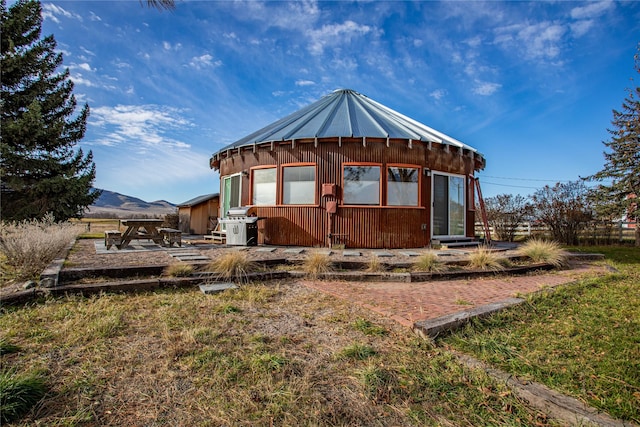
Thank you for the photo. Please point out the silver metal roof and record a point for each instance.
(346, 113)
(198, 200)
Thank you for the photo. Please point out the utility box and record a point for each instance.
(332, 206)
(328, 190)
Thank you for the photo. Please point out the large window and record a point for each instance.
(264, 187)
(402, 186)
(361, 185)
(299, 185)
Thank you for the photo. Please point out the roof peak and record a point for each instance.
(346, 112)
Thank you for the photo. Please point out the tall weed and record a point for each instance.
(27, 247)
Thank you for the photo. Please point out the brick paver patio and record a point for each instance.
(408, 303)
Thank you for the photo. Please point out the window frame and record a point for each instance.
(281, 183)
(252, 183)
(380, 184)
(418, 169)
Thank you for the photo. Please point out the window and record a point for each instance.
(361, 185)
(402, 186)
(299, 185)
(264, 187)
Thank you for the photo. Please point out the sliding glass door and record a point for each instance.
(448, 205)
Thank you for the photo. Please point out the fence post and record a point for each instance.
(620, 234)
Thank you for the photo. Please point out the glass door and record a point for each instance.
(448, 205)
(231, 186)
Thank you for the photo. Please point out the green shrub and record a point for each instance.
(19, 393)
(6, 347)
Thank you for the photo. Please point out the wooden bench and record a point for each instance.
(171, 236)
(112, 237)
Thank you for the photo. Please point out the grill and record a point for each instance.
(242, 226)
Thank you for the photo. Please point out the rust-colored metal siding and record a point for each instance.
(363, 226)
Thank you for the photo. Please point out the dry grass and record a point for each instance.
(179, 269)
(278, 354)
(27, 247)
(375, 266)
(544, 251)
(484, 259)
(429, 262)
(233, 265)
(317, 263)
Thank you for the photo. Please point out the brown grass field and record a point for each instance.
(266, 354)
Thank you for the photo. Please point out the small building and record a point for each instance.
(199, 215)
(349, 170)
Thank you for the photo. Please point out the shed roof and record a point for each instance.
(346, 113)
(198, 200)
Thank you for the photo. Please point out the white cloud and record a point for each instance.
(438, 94)
(580, 28)
(142, 144)
(305, 83)
(486, 88)
(168, 46)
(53, 12)
(591, 9)
(94, 17)
(78, 79)
(84, 66)
(540, 41)
(204, 61)
(336, 34)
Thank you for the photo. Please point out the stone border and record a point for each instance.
(431, 328)
(558, 406)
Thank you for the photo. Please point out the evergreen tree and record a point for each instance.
(40, 169)
(622, 160)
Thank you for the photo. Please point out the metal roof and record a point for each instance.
(198, 200)
(346, 113)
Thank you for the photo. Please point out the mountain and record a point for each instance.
(116, 205)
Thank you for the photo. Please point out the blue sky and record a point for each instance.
(531, 85)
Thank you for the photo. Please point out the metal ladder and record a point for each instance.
(483, 213)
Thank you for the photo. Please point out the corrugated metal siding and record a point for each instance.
(376, 227)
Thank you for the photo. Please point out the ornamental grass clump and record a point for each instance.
(317, 263)
(428, 262)
(179, 269)
(375, 266)
(544, 251)
(485, 259)
(27, 247)
(233, 264)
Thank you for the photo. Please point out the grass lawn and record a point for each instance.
(266, 354)
(582, 339)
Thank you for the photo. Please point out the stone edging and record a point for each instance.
(558, 406)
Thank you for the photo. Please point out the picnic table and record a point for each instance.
(150, 231)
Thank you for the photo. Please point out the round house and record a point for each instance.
(348, 170)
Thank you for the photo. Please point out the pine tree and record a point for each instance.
(622, 160)
(40, 169)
